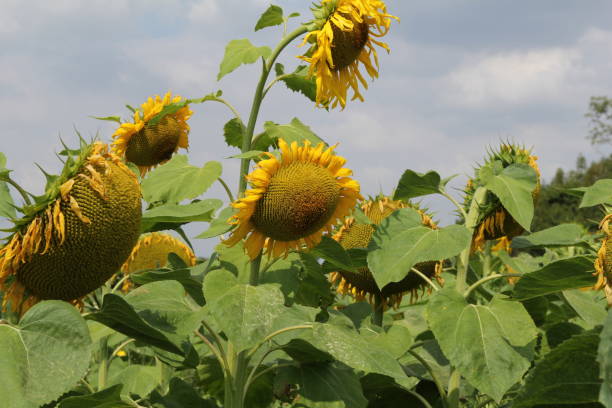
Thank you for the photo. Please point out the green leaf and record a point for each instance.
(137, 379)
(590, 306)
(299, 81)
(598, 193)
(108, 118)
(180, 395)
(44, 356)
(251, 154)
(401, 241)
(570, 273)
(7, 208)
(246, 313)
(178, 180)
(559, 235)
(513, 186)
(273, 16)
(217, 283)
(238, 52)
(604, 358)
(108, 398)
(219, 225)
(487, 344)
(324, 385)
(183, 276)
(295, 131)
(180, 214)
(330, 250)
(233, 131)
(568, 374)
(413, 184)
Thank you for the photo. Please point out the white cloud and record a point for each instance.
(204, 10)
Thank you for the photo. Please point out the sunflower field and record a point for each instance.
(317, 294)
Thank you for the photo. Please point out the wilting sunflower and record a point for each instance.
(495, 222)
(151, 252)
(294, 199)
(603, 263)
(361, 284)
(76, 235)
(156, 134)
(344, 37)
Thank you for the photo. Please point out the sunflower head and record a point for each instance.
(294, 199)
(603, 263)
(344, 35)
(76, 235)
(158, 130)
(494, 221)
(361, 284)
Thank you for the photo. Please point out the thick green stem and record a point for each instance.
(379, 310)
(454, 382)
(235, 380)
(257, 99)
(104, 360)
(488, 278)
(255, 264)
(470, 224)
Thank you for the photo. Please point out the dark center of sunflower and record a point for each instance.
(299, 201)
(154, 144)
(608, 258)
(347, 45)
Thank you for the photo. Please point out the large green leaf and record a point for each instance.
(137, 379)
(107, 398)
(513, 186)
(299, 81)
(178, 180)
(44, 356)
(604, 358)
(567, 375)
(246, 313)
(219, 225)
(238, 52)
(330, 250)
(183, 276)
(570, 273)
(487, 344)
(295, 131)
(6, 200)
(324, 385)
(233, 131)
(589, 305)
(401, 241)
(413, 184)
(598, 193)
(559, 235)
(180, 214)
(273, 16)
(180, 395)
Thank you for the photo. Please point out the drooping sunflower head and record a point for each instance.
(603, 263)
(294, 199)
(361, 284)
(158, 130)
(495, 222)
(344, 34)
(76, 235)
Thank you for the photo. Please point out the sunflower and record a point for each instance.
(495, 222)
(344, 36)
(603, 263)
(159, 129)
(293, 200)
(361, 284)
(76, 235)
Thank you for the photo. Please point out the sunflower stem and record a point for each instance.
(470, 224)
(379, 310)
(489, 278)
(104, 360)
(227, 189)
(425, 278)
(435, 378)
(454, 382)
(255, 264)
(258, 98)
(24, 194)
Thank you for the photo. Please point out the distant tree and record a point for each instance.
(556, 205)
(600, 115)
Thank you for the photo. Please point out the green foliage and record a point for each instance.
(108, 398)
(7, 208)
(298, 81)
(413, 184)
(273, 16)
(174, 215)
(558, 236)
(240, 52)
(233, 131)
(295, 131)
(50, 338)
(598, 193)
(600, 114)
(604, 357)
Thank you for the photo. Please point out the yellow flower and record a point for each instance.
(495, 222)
(361, 284)
(155, 135)
(293, 200)
(76, 236)
(344, 40)
(603, 263)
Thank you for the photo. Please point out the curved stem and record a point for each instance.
(251, 376)
(114, 288)
(258, 97)
(435, 379)
(119, 347)
(425, 278)
(254, 275)
(276, 333)
(420, 398)
(470, 224)
(226, 103)
(24, 194)
(227, 189)
(217, 353)
(273, 367)
(488, 278)
(275, 80)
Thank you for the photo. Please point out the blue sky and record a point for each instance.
(461, 75)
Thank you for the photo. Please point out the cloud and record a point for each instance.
(204, 10)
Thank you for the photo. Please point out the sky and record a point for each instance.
(461, 76)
